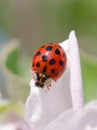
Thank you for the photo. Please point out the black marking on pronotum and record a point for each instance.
(38, 77)
(44, 58)
(49, 48)
(52, 61)
(53, 71)
(44, 69)
(61, 62)
(57, 51)
(45, 78)
(37, 64)
(37, 73)
(38, 53)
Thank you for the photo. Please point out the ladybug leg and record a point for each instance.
(48, 83)
(45, 89)
(48, 87)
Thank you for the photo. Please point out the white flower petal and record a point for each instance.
(33, 104)
(17, 126)
(25, 125)
(91, 105)
(42, 107)
(65, 45)
(76, 119)
(88, 127)
(8, 127)
(75, 73)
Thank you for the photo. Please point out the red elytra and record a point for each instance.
(50, 59)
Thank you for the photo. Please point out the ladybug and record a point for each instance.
(49, 63)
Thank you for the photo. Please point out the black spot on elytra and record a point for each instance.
(44, 79)
(61, 62)
(38, 53)
(44, 58)
(37, 64)
(49, 48)
(57, 51)
(44, 69)
(53, 71)
(52, 61)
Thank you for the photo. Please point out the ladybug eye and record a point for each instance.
(43, 79)
(37, 84)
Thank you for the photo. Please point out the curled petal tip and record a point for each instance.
(72, 34)
(72, 37)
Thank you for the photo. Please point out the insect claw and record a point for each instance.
(48, 87)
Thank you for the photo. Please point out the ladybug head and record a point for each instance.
(41, 80)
